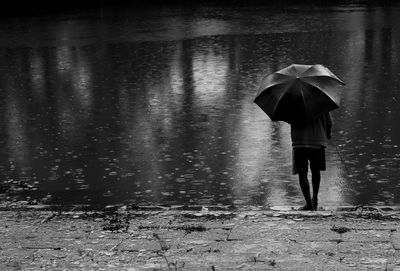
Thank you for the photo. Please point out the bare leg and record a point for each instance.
(305, 188)
(316, 179)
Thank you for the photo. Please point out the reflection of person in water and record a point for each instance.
(309, 141)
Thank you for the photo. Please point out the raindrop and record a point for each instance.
(108, 193)
(180, 180)
(84, 187)
(188, 176)
(166, 194)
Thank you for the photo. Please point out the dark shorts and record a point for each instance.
(301, 156)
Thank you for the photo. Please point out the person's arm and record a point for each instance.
(329, 123)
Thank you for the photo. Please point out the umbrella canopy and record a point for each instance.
(299, 93)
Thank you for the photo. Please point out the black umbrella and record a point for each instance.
(299, 93)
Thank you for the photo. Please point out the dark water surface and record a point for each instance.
(155, 106)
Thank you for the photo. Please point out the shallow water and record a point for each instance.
(155, 106)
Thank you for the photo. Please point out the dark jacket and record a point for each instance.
(314, 133)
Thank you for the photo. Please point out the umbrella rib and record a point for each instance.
(262, 89)
(302, 97)
(324, 76)
(281, 74)
(276, 84)
(269, 89)
(321, 89)
(284, 92)
(320, 71)
(278, 72)
(297, 71)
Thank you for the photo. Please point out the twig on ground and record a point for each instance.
(48, 218)
(117, 245)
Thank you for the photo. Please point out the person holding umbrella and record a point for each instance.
(309, 141)
(303, 96)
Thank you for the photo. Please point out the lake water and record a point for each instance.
(155, 106)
